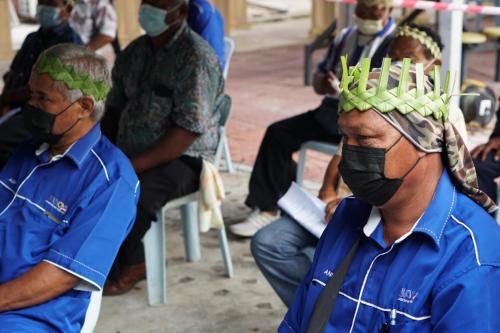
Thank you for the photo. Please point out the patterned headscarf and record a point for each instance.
(417, 108)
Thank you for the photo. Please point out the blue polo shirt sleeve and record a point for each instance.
(469, 302)
(293, 318)
(96, 231)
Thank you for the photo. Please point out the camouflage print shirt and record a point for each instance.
(178, 85)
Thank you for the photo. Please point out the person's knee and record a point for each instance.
(263, 243)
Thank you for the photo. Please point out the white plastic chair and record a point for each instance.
(497, 213)
(323, 147)
(92, 312)
(154, 240)
(229, 46)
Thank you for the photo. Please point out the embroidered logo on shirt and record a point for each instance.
(57, 204)
(407, 295)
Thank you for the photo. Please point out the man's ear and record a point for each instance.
(87, 107)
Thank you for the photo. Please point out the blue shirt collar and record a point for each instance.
(431, 223)
(78, 151)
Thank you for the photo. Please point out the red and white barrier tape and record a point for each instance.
(441, 6)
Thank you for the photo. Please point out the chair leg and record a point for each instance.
(227, 154)
(301, 166)
(156, 270)
(189, 213)
(226, 255)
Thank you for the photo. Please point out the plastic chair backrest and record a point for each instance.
(225, 110)
(229, 46)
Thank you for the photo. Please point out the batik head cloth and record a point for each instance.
(418, 108)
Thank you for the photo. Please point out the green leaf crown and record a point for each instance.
(360, 91)
(58, 71)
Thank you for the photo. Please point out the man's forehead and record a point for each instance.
(357, 121)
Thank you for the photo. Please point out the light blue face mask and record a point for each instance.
(48, 16)
(152, 19)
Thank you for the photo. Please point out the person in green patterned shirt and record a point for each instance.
(163, 113)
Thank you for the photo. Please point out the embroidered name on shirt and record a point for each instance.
(407, 295)
(328, 273)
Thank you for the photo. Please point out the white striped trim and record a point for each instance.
(37, 206)
(21, 185)
(364, 284)
(78, 262)
(137, 186)
(320, 282)
(407, 315)
(80, 286)
(7, 187)
(476, 252)
(288, 325)
(102, 164)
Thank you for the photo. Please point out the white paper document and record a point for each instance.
(306, 209)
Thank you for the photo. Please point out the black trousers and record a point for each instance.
(487, 171)
(12, 134)
(158, 186)
(274, 169)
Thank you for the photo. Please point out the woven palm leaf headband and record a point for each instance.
(422, 97)
(422, 37)
(58, 71)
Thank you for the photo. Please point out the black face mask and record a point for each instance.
(40, 123)
(362, 169)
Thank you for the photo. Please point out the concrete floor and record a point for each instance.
(200, 298)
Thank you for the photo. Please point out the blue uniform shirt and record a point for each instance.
(443, 276)
(207, 22)
(72, 211)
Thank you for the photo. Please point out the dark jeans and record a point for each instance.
(487, 171)
(274, 169)
(158, 186)
(12, 134)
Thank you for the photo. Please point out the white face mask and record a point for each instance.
(368, 27)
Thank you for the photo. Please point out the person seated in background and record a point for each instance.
(163, 112)
(415, 249)
(54, 29)
(208, 22)
(95, 21)
(487, 161)
(281, 249)
(274, 169)
(67, 198)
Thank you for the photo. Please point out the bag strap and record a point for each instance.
(326, 300)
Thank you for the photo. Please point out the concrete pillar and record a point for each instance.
(6, 52)
(323, 13)
(450, 29)
(234, 12)
(128, 20)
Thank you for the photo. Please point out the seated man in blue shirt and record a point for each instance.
(53, 16)
(67, 198)
(207, 22)
(415, 250)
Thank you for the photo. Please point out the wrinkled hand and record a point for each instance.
(483, 150)
(328, 84)
(330, 208)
